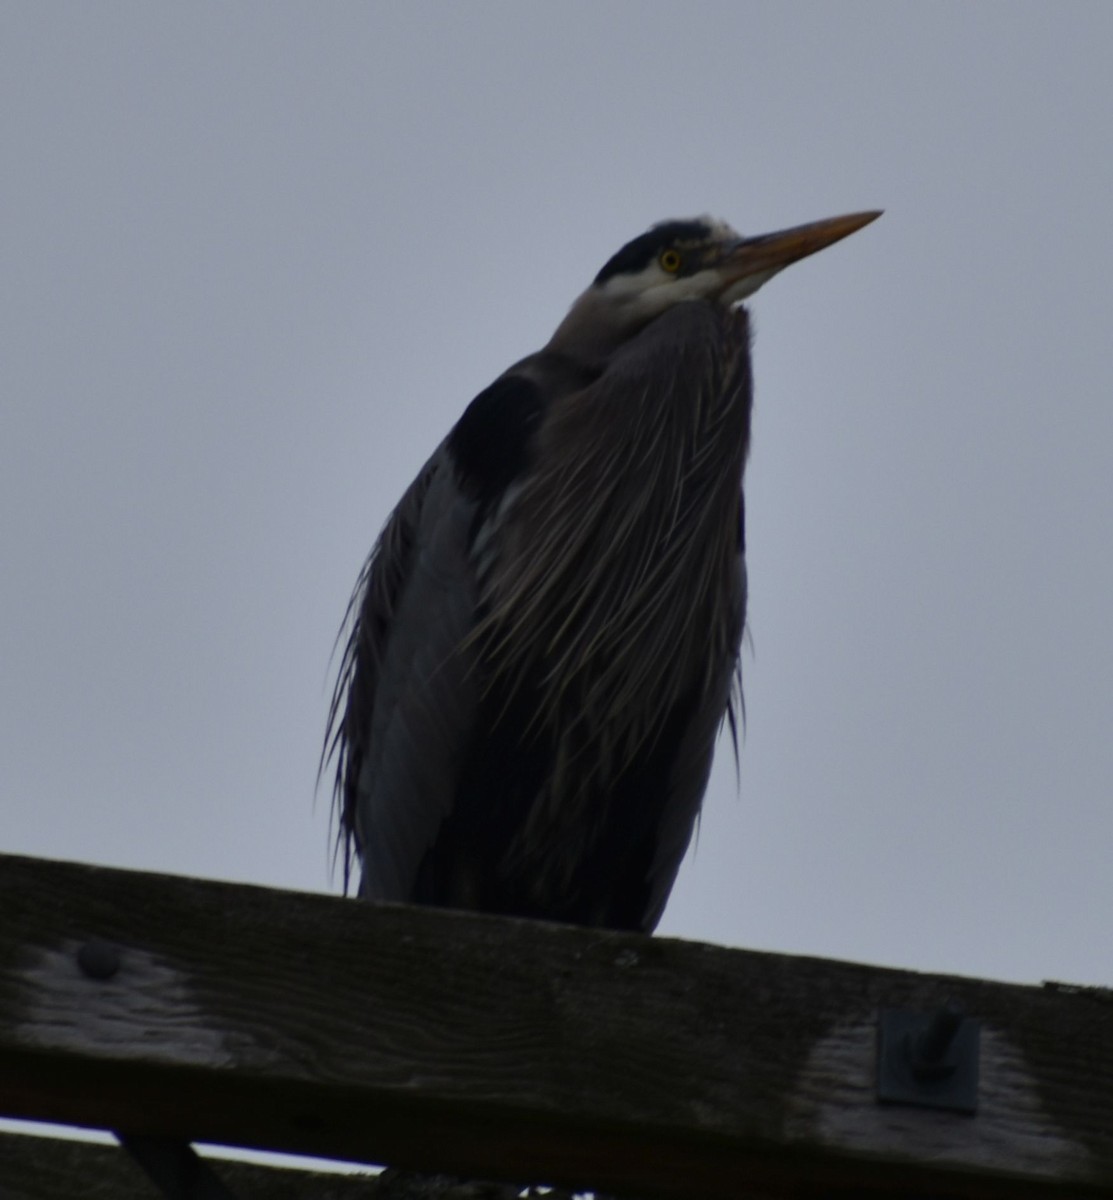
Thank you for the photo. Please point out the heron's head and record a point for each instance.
(677, 261)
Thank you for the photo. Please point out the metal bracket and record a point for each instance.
(175, 1168)
(928, 1059)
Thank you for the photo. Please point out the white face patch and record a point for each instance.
(738, 291)
(608, 312)
(653, 289)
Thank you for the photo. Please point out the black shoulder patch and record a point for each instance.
(638, 254)
(491, 443)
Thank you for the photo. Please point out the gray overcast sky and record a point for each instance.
(256, 258)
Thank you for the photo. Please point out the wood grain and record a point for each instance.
(453, 1042)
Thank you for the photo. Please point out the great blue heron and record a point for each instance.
(544, 639)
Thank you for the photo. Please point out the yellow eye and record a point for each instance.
(670, 261)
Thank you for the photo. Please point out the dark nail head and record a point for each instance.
(98, 959)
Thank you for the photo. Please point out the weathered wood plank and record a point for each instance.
(448, 1041)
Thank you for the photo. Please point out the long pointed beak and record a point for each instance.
(754, 260)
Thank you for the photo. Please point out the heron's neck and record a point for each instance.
(594, 329)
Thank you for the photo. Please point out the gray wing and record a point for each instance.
(406, 696)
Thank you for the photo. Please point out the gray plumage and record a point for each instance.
(543, 641)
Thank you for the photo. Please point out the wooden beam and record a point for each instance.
(51, 1168)
(493, 1048)
(38, 1167)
